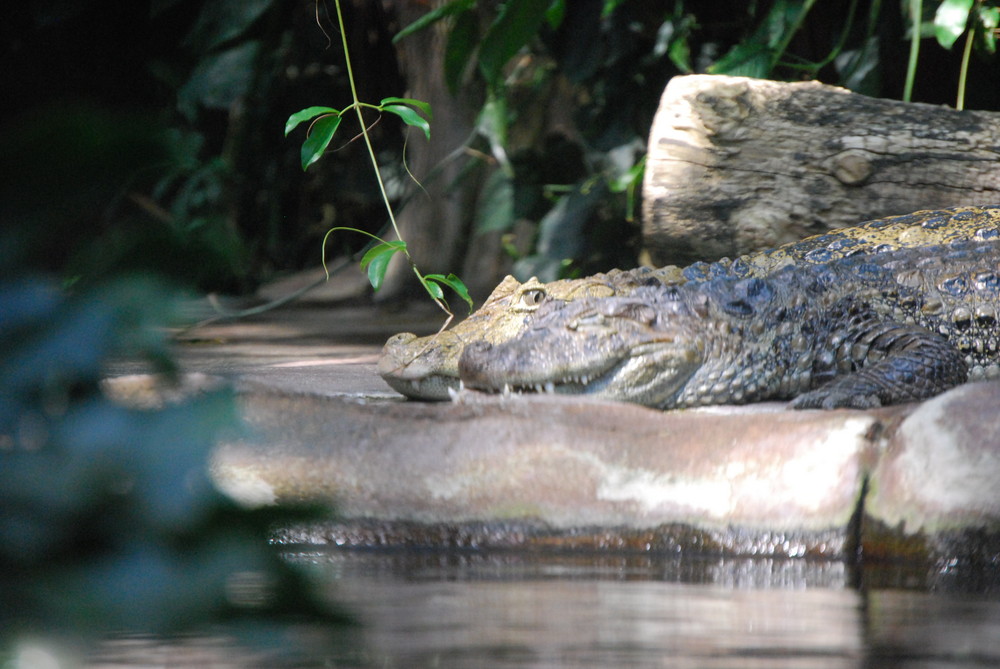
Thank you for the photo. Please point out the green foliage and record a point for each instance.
(431, 282)
(580, 187)
(950, 20)
(617, 55)
(517, 22)
(326, 121)
(414, 113)
(108, 518)
(376, 260)
(978, 19)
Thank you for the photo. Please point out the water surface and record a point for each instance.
(507, 610)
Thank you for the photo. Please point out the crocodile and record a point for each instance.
(427, 367)
(859, 332)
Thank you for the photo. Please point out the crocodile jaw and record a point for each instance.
(423, 371)
(651, 373)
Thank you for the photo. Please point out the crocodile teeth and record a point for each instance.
(550, 387)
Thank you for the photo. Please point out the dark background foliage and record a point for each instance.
(228, 205)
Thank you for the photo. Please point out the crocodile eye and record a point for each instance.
(532, 298)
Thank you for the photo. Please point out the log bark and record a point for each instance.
(736, 164)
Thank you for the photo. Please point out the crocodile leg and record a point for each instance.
(894, 364)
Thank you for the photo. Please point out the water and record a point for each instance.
(591, 611)
(517, 610)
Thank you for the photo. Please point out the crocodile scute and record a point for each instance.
(426, 368)
(861, 331)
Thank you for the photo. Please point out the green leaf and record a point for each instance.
(223, 21)
(376, 261)
(630, 183)
(745, 60)
(560, 232)
(496, 205)
(425, 107)
(987, 20)
(410, 117)
(433, 289)
(950, 20)
(322, 132)
(453, 7)
(306, 115)
(555, 14)
(462, 42)
(452, 282)
(517, 22)
(492, 124)
(219, 79)
(629, 178)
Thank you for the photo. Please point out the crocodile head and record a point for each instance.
(427, 367)
(640, 349)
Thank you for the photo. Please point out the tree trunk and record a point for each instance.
(737, 164)
(437, 224)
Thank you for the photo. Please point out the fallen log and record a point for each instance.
(737, 165)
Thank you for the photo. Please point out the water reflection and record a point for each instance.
(573, 611)
(517, 610)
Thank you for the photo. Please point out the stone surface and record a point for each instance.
(937, 481)
(564, 462)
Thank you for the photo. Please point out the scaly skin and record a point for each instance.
(427, 367)
(862, 332)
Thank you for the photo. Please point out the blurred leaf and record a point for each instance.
(555, 14)
(680, 55)
(71, 345)
(376, 260)
(611, 5)
(463, 39)
(306, 115)
(108, 518)
(24, 302)
(410, 117)
(319, 138)
(492, 124)
(575, 41)
(560, 232)
(630, 182)
(672, 41)
(757, 55)
(988, 19)
(748, 59)
(540, 266)
(859, 69)
(495, 211)
(220, 21)
(950, 21)
(218, 80)
(445, 10)
(516, 23)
